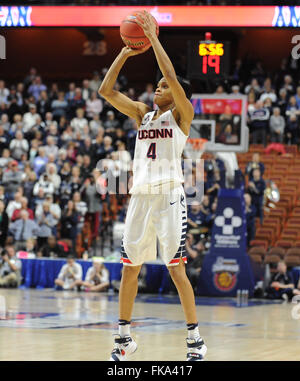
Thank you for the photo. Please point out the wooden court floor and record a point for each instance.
(64, 325)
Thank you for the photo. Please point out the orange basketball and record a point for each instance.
(132, 34)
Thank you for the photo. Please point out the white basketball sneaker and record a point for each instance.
(196, 350)
(124, 346)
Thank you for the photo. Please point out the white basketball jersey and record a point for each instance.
(157, 155)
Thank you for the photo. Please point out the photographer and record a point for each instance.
(10, 268)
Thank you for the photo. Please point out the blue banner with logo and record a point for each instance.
(227, 268)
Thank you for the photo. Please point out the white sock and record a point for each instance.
(193, 332)
(124, 328)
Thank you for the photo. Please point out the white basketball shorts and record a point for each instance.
(155, 215)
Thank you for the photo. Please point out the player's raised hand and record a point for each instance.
(146, 21)
(133, 52)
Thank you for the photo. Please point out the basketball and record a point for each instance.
(132, 34)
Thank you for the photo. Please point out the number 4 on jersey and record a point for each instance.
(152, 151)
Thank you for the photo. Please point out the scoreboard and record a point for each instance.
(208, 59)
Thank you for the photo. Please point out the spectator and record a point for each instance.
(24, 206)
(59, 106)
(94, 105)
(69, 274)
(43, 105)
(81, 209)
(12, 179)
(52, 249)
(30, 248)
(95, 82)
(259, 123)
(36, 88)
(30, 118)
(40, 161)
(3, 224)
(69, 220)
(268, 92)
(14, 204)
(282, 283)
(92, 198)
(46, 223)
(277, 125)
(292, 129)
(251, 212)
(97, 277)
(95, 124)
(45, 184)
(18, 146)
(71, 93)
(111, 122)
(254, 164)
(75, 103)
(79, 122)
(10, 268)
(22, 229)
(256, 189)
(51, 148)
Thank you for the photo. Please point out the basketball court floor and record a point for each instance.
(63, 325)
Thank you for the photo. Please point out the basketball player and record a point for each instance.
(152, 211)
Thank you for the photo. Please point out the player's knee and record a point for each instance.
(177, 273)
(131, 272)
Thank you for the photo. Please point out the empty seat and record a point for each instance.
(277, 251)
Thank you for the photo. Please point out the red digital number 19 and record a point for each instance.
(211, 61)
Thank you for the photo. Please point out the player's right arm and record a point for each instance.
(121, 102)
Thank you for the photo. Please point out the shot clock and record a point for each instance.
(208, 58)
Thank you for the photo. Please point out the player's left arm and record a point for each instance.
(183, 105)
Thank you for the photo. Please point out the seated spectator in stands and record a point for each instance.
(254, 164)
(95, 124)
(12, 179)
(36, 88)
(49, 121)
(251, 102)
(227, 136)
(46, 223)
(69, 274)
(97, 277)
(256, 189)
(268, 92)
(22, 229)
(259, 123)
(147, 96)
(282, 101)
(45, 184)
(30, 118)
(197, 215)
(51, 171)
(18, 146)
(79, 122)
(253, 87)
(94, 105)
(76, 103)
(212, 185)
(14, 204)
(292, 129)
(69, 220)
(86, 167)
(5, 158)
(288, 84)
(250, 212)
(282, 283)
(43, 105)
(59, 106)
(29, 183)
(277, 125)
(51, 147)
(292, 107)
(29, 249)
(52, 249)
(95, 82)
(24, 206)
(3, 224)
(10, 268)
(40, 161)
(194, 253)
(111, 123)
(297, 96)
(71, 93)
